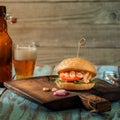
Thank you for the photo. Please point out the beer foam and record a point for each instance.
(25, 53)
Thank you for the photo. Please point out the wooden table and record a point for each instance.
(15, 107)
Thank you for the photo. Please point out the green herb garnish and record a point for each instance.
(78, 82)
(95, 80)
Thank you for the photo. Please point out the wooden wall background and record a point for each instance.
(57, 25)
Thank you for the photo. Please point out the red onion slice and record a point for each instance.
(60, 92)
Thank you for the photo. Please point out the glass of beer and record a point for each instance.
(24, 59)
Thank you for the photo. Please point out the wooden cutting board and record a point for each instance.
(95, 99)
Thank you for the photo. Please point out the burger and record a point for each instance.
(76, 74)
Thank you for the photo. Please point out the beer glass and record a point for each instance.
(24, 59)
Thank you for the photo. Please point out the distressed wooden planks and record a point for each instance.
(61, 23)
(98, 56)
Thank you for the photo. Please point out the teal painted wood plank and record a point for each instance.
(102, 69)
(43, 70)
(15, 107)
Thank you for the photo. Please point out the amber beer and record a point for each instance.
(24, 61)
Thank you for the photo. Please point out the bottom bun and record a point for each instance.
(72, 86)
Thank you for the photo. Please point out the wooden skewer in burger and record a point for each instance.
(76, 74)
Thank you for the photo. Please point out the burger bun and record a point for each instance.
(73, 86)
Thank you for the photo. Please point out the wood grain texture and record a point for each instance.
(61, 35)
(59, 1)
(106, 56)
(69, 12)
(58, 25)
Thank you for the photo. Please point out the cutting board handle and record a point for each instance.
(95, 103)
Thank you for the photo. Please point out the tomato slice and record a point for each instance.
(70, 79)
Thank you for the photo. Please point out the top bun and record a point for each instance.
(78, 64)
